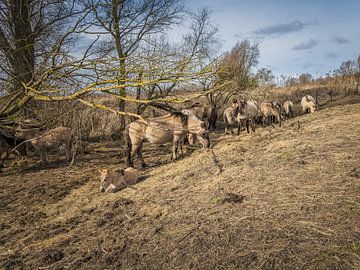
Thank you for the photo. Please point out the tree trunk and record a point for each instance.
(21, 55)
(213, 118)
(122, 91)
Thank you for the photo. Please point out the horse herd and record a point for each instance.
(177, 127)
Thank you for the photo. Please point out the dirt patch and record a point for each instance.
(232, 198)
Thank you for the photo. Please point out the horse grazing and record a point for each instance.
(42, 141)
(229, 117)
(308, 104)
(270, 112)
(289, 109)
(248, 112)
(202, 111)
(112, 181)
(159, 130)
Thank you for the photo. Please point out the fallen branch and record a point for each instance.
(215, 161)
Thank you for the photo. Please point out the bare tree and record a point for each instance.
(305, 78)
(189, 57)
(234, 67)
(129, 24)
(58, 73)
(358, 75)
(35, 36)
(347, 68)
(264, 76)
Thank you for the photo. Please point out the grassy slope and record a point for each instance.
(301, 208)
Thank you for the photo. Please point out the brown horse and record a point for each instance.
(202, 111)
(270, 113)
(43, 141)
(112, 181)
(159, 130)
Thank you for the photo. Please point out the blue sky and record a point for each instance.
(295, 36)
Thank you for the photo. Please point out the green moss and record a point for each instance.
(353, 247)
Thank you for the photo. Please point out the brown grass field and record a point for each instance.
(283, 198)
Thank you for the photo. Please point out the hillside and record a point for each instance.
(287, 198)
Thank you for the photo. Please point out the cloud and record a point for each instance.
(331, 55)
(311, 43)
(340, 40)
(308, 65)
(281, 29)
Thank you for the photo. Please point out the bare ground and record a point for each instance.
(287, 198)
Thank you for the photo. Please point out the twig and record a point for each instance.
(5, 204)
(216, 161)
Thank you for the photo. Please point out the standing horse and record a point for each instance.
(159, 130)
(289, 109)
(248, 112)
(43, 141)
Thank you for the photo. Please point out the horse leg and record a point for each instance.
(231, 127)
(68, 151)
(279, 119)
(225, 125)
(139, 154)
(252, 125)
(181, 143)
(247, 126)
(41, 157)
(3, 160)
(134, 149)
(270, 120)
(175, 147)
(239, 128)
(45, 156)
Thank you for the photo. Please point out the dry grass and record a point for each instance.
(287, 198)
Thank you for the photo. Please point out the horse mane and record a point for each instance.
(184, 118)
(195, 105)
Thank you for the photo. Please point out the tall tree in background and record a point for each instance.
(264, 77)
(347, 68)
(189, 56)
(305, 78)
(235, 67)
(128, 24)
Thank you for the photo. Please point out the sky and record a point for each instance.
(294, 36)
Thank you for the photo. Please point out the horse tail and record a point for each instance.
(226, 121)
(127, 153)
